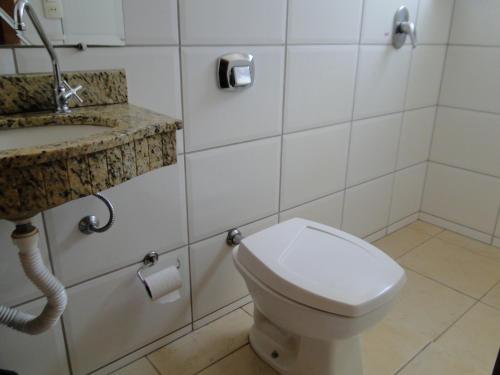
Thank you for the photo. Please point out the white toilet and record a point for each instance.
(315, 290)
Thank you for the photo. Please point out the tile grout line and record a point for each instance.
(468, 109)
(460, 225)
(351, 122)
(283, 108)
(401, 123)
(464, 169)
(184, 156)
(223, 357)
(434, 340)
(404, 365)
(443, 71)
(158, 372)
(218, 310)
(61, 319)
(438, 282)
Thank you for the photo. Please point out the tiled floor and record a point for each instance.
(446, 320)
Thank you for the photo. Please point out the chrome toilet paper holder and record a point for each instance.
(149, 260)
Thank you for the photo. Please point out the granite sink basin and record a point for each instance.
(47, 159)
(17, 138)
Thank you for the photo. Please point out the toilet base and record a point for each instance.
(290, 354)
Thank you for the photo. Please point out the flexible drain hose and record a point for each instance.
(35, 270)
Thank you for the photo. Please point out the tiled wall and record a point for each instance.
(463, 182)
(336, 128)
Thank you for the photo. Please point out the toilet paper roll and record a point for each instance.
(163, 286)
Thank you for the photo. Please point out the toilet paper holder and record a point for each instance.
(149, 260)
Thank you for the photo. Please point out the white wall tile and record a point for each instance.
(232, 21)
(151, 215)
(319, 85)
(407, 193)
(425, 76)
(113, 315)
(466, 198)
(472, 78)
(231, 186)
(150, 21)
(374, 147)
(153, 73)
(378, 17)
(326, 210)
(15, 287)
(215, 280)
(366, 207)
(476, 22)
(42, 354)
(433, 23)
(381, 82)
(314, 164)
(467, 139)
(215, 117)
(416, 136)
(324, 21)
(7, 65)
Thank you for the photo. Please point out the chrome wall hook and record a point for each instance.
(90, 224)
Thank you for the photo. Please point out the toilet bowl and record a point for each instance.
(315, 290)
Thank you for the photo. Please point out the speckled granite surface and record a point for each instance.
(33, 92)
(38, 178)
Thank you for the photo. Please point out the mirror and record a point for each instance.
(67, 22)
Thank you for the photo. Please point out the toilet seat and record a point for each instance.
(321, 267)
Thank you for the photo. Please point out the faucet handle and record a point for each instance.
(409, 29)
(73, 92)
(402, 28)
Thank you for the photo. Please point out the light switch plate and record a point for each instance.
(53, 9)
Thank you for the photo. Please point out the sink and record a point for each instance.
(48, 159)
(15, 138)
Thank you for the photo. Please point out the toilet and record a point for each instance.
(315, 289)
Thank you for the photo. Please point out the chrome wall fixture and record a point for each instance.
(403, 28)
(90, 224)
(234, 237)
(149, 260)
(235, 71)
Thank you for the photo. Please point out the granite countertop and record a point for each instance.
(128, 123)
(34, 179)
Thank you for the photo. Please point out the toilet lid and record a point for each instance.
(321, 267)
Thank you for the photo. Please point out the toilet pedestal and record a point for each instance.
(290, 354)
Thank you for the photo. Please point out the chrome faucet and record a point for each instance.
(63, 92)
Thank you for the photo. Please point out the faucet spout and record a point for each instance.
(62, 91)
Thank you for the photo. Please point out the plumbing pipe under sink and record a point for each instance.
(26, 237)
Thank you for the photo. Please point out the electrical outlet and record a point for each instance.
(53, 9)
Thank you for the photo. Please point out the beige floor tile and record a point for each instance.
(249, 308)
(425, 227)
(474, 339)
(205, 346)
(242, 362)
(493, 297)
(401, 241)
(433, 361)
(471, 244)
(139, 367)
(454, 266)
(422, 312)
